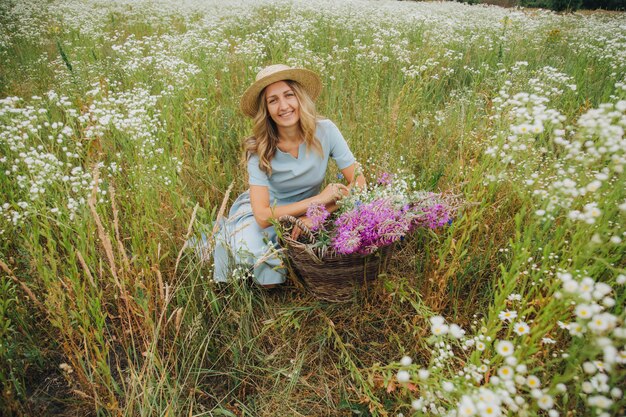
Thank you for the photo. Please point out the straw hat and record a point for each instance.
(309, 80)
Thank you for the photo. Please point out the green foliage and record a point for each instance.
(19, 349)
(556, 5)
(565, 5)
(544, 4)
(8, 379)
(604, 4)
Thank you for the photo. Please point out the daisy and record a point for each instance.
(447, 386)
(545, 402)
(576, 329)
(507, 315)
(583, 311)
(466, 407)
(505, 372)
(403, 376)
(456, 331)
(533, 382)
(504, 348)
(406, 361)
(521, 328)
(489, 410)
(439, 329)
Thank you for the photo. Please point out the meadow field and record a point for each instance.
(120, 135)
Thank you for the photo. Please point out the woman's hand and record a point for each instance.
(295, 233)
(332, 193)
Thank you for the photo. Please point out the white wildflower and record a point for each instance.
(521, 328)
(406, 361)
(505, 372)
(545, 402)
(507, 315)
(403, 376)
(504, 348)
(533, 382)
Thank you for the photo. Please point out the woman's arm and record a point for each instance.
(263, 212)
(349, 173)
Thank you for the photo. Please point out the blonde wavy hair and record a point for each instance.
(265, 133)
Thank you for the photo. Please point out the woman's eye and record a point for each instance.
(289, 94)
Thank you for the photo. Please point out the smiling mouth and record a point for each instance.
(286, 114)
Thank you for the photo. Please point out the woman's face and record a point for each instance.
(282, 104)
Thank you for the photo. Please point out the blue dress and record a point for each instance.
(240, 240)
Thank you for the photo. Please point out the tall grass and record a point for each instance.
(94, 296)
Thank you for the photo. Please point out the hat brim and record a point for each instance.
(309, 80)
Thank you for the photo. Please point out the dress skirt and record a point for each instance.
(241, 241)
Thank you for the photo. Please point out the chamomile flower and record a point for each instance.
(447, 386)
(504, 348)
(417, 404)
(403, 376)
(576, 329)
(507, 315)
(456, 331)
(505, 372)
(583, 311)
(489, 409)
(545, 402)
(439, 329)
(599, 401)
(466, 407)
(602, 322)
(521, 328)
(533, 382)
(406, 361)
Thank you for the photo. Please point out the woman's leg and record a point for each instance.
(246, 243)
(261, 245)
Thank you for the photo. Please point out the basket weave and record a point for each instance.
(331, 277)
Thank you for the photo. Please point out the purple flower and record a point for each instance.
(432, 216)
(364, 226)
(370, 226)
(318, 214)
(384, 178)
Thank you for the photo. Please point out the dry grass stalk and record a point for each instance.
(24, 287)
(116, 225)
(81, 259)
(220, 214)
(175, 314)
(179, 319)
(207, 249)
(187, 236)
(108, 248)
(160, 283)
(106, 242)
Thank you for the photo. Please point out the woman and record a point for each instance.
(286, 160)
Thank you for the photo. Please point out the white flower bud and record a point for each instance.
(403, 376)
(406, 361)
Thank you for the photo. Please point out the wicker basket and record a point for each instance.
(331, 277)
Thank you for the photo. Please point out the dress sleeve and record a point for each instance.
(339, 149)
(255, 175)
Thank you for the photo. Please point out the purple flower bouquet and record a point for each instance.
(377, 216)
(351, 244)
